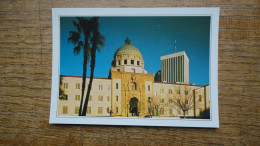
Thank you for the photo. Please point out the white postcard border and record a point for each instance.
(213, 122)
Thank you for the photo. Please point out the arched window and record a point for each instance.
(134, 86)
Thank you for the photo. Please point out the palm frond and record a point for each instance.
(77, 49)
(74, 37)
(77, 26)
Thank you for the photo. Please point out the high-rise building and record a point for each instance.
(175, 68)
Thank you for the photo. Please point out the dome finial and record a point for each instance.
(127, 41)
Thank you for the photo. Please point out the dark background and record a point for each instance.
(26, 65)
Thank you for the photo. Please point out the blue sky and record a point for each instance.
(153, 36)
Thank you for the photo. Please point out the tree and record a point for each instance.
(182, 100)
(97, 42)
(80, 39)
(61, 90)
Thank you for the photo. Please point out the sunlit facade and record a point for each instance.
(129, 91)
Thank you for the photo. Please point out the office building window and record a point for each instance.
(65, 85)
(170, 91)
(100, 110)
(132, 61)
(186, 92)
(162, 90)
(77, 97)
(186, 101)
(138, 63)
(161, 111)
(117, 98)
(162, 100)
(77, 85)
(125, 61)
(170, 111)
(76, 110)
(100, 87)
(65, 110)
(66, 97)
(116, 109)
(149, 88)
(107, 98)
(118, 62)
(100, 98)
(89, 110)
(116, 85)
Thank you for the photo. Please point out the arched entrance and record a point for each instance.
(134, 106)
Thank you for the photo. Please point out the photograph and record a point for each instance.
(145, 67)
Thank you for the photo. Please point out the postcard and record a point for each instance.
(135, 67)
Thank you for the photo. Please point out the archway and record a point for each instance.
(134, 106)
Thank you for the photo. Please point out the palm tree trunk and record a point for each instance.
(83, 80)
(93, 62)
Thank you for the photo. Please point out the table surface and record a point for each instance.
(26, 65)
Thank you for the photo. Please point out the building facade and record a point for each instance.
(130, 91)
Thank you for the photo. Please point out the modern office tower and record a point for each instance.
(175, 68)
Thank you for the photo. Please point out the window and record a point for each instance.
(89, 110)
(90, 98)
(134, 86)
(118, 62)
(162, 90)
(138, 63)
(107, 98)
(132, 61)
(117, 98)
(116, 109)
(65, 85)
(162, 101)
(125, 61)
(200, 99)
(100, 98)
(100, 110)
(161, 111)
(77, 85)
(66, 97)
(77, 97)
(186, 92)
(107, 109)
(186, 101)
(100, 87)
(149, 88)
(178, 92)
(76, 110)
(118, 69)
(170, 111)
(116, 85)
(170, 91)
(65, 110)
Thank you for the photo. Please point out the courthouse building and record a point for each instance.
(129, 91)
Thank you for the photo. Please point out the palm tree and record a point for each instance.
(97, 42)
(82, 28)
